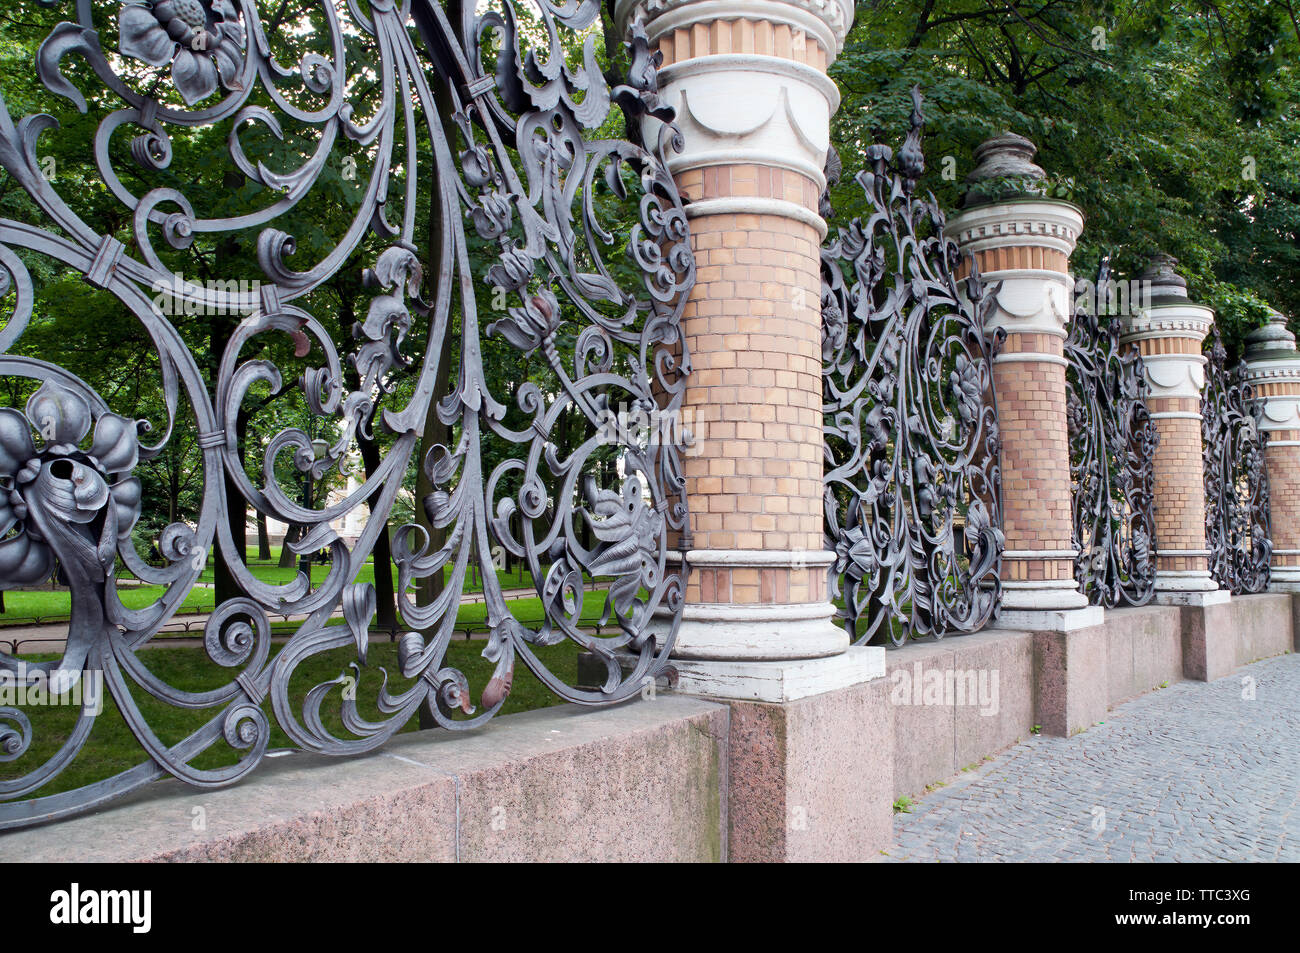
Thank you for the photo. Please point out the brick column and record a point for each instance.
(748, 81)
(811, 741)
(1273, 371)
(1169, 333)
(1025, 245)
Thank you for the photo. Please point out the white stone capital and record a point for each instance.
(1029, 300)
(1044, 223)
(1171, 375)
(827, 20)
(747, 109)
(1281, 411)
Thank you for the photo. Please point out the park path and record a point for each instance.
(1193, 772)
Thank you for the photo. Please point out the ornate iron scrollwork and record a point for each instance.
(913, 495)
(1237, 530)
(479, 120)
(1112, 453)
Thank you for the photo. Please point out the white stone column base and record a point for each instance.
(778, 682)
(1049, 620)
(1284, 579)
(758, 633)
(1043, 594)
(1192, 587)
(1201, 598)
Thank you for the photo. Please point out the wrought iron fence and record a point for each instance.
(1112, 455)
(913, 498)
(441, 119)
(1237, 531)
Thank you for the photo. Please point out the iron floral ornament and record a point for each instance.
(1113, 443)
(1238, 531)
(202, 40)
(912, 484)
(66, 510)
(495, 133)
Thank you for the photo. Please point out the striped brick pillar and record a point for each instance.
(810, 743)
(748, 81)
(1024, 244)
(1169, 331)
(1273, 371)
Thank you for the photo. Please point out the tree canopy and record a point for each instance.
(1173, 125)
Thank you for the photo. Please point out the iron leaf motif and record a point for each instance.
(1113, 442)
(586, 237)
(912, 485)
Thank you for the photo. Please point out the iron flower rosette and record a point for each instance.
(203, 40)
(65, 508)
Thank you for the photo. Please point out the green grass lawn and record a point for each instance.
(270, 571)
(26, 608)
(111, 748)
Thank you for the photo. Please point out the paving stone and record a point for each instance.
(1193, 772)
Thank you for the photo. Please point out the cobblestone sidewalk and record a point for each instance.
(1193, 772)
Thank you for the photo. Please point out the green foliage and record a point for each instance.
(1172, 124)
(999, 188)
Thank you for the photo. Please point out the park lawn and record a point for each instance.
(472, 617)
(111, 748)
(38, 606)
(273, 573)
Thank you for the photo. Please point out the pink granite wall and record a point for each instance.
(643, 781)
(811, 780)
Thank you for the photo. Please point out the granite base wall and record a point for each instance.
(677, 778)
(1064, 682)
(644, 781)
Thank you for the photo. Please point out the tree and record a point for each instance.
(1175, 124)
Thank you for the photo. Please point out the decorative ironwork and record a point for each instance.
(913, 495)
(482, 119)
(1112, 457)
(1237, 530)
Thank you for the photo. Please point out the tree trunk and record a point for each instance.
(263, 539)
(386, 608)
(220, 329)
(371, 459)
(291, 535)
